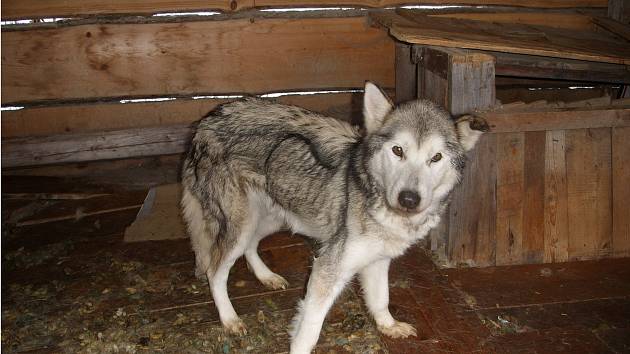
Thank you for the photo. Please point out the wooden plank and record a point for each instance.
(117, 144)
(104, 175)
(510, 197)
(471, 83)
(563, 69)
(501, 122)
(406, 76)
(556, 208)
(15, 9)
(512, 38)
(20, 9)
(164, 59)
(388, 3)
(533, 201)
(575, 21)
(619, 10)
(460, 81)
(588, 155)
(613, 26)
(621, 191)
(473, 209)
(81, 118)
(171, 139)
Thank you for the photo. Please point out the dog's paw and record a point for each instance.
(275, 282)
(236, 326)
(398, 330)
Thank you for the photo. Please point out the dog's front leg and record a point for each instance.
(325, 284)
(374, 280)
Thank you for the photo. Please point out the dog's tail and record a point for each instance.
(204, 233)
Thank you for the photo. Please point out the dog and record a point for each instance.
(367, 195)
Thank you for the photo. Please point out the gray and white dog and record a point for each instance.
(255, 167)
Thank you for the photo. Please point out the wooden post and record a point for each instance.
(619, 10)
(405, 73)
(463, 81)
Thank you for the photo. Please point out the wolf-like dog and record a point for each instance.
(255, 166)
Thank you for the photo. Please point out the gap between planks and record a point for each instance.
(547, 303)
(164, 309)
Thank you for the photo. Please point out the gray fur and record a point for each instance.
(256, 165)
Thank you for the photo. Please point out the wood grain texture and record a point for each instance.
(53, 120)
(556, 119)
(534, 193)
(14, 9)
(613, 26)
(510, 197)
(193, 57)
(117, 144)
(406, 75)
(512, 38)
(470, 82)
(589, 188)
(575, 21)
(556, 208)
(473, 208)
(621, 191)
(532, 66)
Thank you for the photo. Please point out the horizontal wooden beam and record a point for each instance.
(562, 119)
(161, 59)
(569, 20)
(561, 69)
(18, 9)
(82, 118)
(414, 28)
(173, 139)
(119, 144)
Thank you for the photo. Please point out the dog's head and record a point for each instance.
(415, 151)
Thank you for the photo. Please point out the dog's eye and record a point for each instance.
(398, 151)
(437, 157)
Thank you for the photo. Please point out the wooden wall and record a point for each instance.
(70, 76)
(552, 194)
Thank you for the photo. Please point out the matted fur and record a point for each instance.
(256, 166)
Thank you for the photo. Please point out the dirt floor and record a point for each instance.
(70, 284)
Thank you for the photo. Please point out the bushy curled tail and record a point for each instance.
(204, 232)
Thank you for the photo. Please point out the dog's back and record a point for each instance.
(293, 158)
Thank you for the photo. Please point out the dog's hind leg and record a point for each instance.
(266, 226)
(213, 257)
(374, 280)
(218, 286)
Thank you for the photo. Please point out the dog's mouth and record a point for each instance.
(405, 212)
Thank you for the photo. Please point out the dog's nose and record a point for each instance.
(408, 199)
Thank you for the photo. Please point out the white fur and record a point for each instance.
(376, 106)
(467, 137)
(415, 171)
(370, 242)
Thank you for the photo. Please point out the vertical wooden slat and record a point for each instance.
(589, 192)
(555, 208)
(406, 76)
(621, 191)
(510, 183)
(471, 82)
(463, 81)
(533, 204)
(473, 209)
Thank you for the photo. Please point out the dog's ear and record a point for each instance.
(469, 129)
(376, 106)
